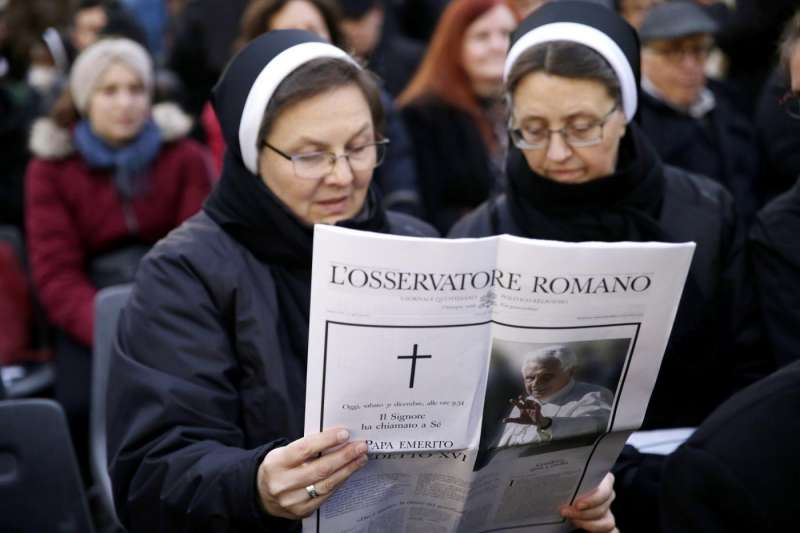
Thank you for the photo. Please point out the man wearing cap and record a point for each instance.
(687, 116)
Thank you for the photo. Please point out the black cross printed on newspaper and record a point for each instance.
(414, 356)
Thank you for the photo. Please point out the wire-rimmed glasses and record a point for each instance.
(577, 133)
(317, 165)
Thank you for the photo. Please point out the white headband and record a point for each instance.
(263, 88)
(588, 36)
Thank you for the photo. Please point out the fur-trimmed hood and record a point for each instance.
(50, 141)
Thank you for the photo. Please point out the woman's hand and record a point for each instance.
(592, 511)
(285, 472)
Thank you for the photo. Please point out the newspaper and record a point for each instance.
(431, 351)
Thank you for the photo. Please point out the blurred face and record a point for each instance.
(794, 70)
(119, 105)
(335, 121)
(88, 24)
(300, 15)
(544, 378)
(552, 102)
(677, 67)
(634, 11)
(363, 34)
(483, 51)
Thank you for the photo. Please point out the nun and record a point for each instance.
(207, 388)
(580, 169)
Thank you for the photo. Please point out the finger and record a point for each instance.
(601, 493)
(322, 468)
(591, 513)
(606, 525)
(304, 449)
(327, 487)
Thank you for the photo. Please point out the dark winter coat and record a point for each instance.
(74, 213)
(206, 380)
(711, 349)
(721, 146)
(738, 471)
(779, 138)
(395, 59)
(453, 162)
(775, 253)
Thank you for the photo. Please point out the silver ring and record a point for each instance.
(312, 491)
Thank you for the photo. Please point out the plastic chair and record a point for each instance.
(40, 485)
(107, 306)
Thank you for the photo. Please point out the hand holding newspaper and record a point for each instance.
(493, 379)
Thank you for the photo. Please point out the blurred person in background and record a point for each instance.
(50, 60)
(22, 23)
(317, 16)
(688, 117)
(152, 17)
(774, 241)
(204, 34)
(634, 11)
(110, 176)
(749, 34)
(372, 35)
(455, 113)
(778, 136)
(89, 19)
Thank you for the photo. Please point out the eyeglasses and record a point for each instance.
(317, 165)
(790, 103)
(677, 54)
(577, 134)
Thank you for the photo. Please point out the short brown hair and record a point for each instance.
(319, 76)
(567, 60)
(258, 13)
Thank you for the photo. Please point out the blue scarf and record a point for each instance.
(128, 163)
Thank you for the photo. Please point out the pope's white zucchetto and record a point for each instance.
(95, 60)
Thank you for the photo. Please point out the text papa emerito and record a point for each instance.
(393, 280)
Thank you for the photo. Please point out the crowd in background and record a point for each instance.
(90, 194)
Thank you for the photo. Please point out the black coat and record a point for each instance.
(779, 138)
(395, 59)
(453, 163)
(203, 384)
(739, 470)
(204, 36)
(722, 146)
(775, 253)
(715, 331)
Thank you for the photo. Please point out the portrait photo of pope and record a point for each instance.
(544, 394)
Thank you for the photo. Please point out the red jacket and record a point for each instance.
(73, 213)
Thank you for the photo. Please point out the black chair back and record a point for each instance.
(40, 485)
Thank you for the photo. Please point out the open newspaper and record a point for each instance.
(493, 379)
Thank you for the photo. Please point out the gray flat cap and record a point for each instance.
(672, 20)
